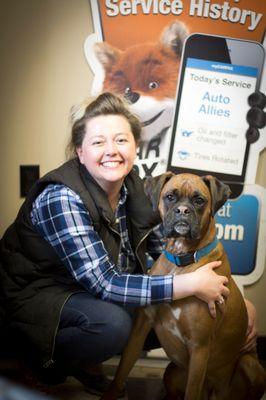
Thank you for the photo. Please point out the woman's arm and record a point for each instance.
(61, 219)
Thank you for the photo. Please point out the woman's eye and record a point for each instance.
(97, 143)
(121, 140)
(153, 85)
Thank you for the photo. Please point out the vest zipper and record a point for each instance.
(117, 233)
(137, 247)
(50, 362)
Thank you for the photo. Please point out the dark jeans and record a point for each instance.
(92, 330)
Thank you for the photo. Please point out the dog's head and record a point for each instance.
(146, 75)
(186, 202)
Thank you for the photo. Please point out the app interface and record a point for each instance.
(211, 130)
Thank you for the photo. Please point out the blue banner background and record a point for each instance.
(244, 213)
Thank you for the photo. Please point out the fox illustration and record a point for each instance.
(146, 75)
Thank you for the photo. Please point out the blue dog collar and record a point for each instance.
(184, 259)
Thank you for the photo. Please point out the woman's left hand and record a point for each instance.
(252, 333)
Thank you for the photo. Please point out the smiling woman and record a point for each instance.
(105, 141)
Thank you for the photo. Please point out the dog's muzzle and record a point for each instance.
(181, 220)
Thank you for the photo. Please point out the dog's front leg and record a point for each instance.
(196, 372)
(141, 327)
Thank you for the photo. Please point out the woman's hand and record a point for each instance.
(209, 286)
(203, 283)
(252, 333)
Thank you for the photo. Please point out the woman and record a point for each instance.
(74, 261)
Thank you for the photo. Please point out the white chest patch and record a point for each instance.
(176, 312)
(173, 326)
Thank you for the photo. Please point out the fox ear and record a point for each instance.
(106, 54)
(220, 192)
(173, 36)
(153, 187)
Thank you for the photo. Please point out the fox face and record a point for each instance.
(146, 75)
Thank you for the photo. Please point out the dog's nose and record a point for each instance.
(183, 210)
(131, 97)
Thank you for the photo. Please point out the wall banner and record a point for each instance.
(136, 51)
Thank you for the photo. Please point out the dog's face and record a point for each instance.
(146, 75)
(186, 202)
(185, 205)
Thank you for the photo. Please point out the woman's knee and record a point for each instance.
(120, 325)
(108, 320)
(98, 334)
(116, 326)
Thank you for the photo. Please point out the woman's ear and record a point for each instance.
(80, 154)
(137, 141)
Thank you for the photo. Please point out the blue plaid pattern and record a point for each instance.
(61, 218)
(126, 259)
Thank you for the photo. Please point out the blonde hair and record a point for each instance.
(105, 104)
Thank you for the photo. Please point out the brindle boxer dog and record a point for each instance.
(205, 352)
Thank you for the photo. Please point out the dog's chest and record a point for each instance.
(168, 323)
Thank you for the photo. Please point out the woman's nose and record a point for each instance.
(110, 148)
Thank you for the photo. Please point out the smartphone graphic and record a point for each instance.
(209, 127)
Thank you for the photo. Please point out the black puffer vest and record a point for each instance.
(34, 282)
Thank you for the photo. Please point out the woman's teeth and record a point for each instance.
(111, 164)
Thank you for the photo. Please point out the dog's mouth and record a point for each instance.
(182, 228)
(150, 121)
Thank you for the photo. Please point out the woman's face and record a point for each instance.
(108, 149)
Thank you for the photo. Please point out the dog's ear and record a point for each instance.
(220, 192)
(106, 54)
(153, 187)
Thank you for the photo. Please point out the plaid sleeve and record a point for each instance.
(61, 218)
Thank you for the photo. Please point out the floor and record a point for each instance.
(144, 383)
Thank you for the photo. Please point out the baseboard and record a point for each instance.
(261, 347)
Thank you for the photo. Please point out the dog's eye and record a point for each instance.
(153, 85)
(199, 201)
(170, 197)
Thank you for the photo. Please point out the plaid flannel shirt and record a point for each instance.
(60, 217)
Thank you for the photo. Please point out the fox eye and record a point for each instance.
(153, 85)
(128, 90)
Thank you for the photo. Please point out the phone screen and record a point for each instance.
(210, 131)
(209, 128)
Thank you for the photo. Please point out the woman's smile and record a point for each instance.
(111, 164)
